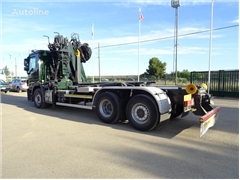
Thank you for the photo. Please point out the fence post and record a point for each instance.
(191, 77)
(219, 77)
(223, 83)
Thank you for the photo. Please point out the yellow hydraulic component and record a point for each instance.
(191, 89)
(77, 53)
(204, 86)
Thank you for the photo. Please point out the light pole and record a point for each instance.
(210, 49)
(99, 66)
(16, 68)
(175, 4)
(10, 66)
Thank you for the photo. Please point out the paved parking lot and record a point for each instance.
(73, 143)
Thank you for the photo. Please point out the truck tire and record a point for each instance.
(142, 112)
(108, 107)
(86, 52)
(178, 111)
(38, 99)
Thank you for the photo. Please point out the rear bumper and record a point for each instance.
(201, 105)
(208, 120)
(24, 88)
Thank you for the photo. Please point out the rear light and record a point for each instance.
(189, 103)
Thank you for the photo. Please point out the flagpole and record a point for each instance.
(92, 52)
(139, 32)
(210, 49)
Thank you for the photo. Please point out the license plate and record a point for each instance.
(188, 102)
(187, 97)
(208, 121)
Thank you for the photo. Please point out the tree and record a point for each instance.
(182, 74)
(6, 71)
(185, 74)
(156, 68)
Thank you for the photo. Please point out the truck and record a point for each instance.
(56, 77)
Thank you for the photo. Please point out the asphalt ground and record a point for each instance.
(73, 143)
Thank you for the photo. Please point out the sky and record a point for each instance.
(117, 31)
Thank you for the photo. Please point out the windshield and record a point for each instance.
(2, 75)
(2, 81)
(1, 71)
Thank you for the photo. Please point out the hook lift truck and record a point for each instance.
(56, 77)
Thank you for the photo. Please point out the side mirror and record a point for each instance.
(26, 64)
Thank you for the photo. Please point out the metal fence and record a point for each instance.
(222, 83)
(166, 80)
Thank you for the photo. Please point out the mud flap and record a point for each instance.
(208, 120)
(29, 95)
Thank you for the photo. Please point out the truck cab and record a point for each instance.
(34, 65)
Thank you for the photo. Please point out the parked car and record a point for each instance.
(19, 85)
(130, 79)
(104, 79)
(4, 86)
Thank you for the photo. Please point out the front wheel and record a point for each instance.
(142, 112)
(38, 99)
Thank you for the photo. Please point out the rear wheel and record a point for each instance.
(38, 99)
(108, 107)
(142, 112)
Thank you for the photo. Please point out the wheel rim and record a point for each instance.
(140, 113)
(38, 99)
(106, 108)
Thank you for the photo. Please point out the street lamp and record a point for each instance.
(175, 4)
(10, 66)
